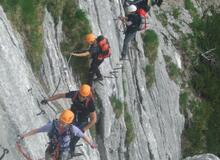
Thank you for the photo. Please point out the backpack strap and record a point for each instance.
(53, 130)
(75, 96)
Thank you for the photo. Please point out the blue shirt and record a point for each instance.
(64, 141)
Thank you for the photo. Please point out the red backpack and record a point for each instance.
(143, 14)
(104, 47)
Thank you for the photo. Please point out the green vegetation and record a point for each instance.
(75, 27)
(184, 98)
(203, 135)
(151, 42)
(150, 75)
(195, 142)
(172, 69)
(27, 17)
(117, 106)
(130, 128)
(55, 7)
(176, 13)
(162, 18)
(190, 7)
(167, 59)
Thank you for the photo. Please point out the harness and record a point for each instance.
(58, 142)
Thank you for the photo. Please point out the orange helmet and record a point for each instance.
(85, 90)
(90, 38)
(66, 116)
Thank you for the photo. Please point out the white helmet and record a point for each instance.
(131, 8)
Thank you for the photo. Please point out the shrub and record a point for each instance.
(176, 13)
(150, 75)
(196, 132)
(190, 7)
(204, 136)
(130, 128)
(117, 106)
(26, 18)
(55, 8)
(183, 99)
(172, 69)
(151, 43)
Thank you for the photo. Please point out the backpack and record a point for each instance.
(143, 14)
(104, 47)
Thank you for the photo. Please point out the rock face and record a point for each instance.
(20, 94)
(203, 157)
(155, 111)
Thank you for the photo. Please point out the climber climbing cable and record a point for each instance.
(99, 50)
(82, 106)
(59, 132)
(132, 21)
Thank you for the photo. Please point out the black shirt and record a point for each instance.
(136, 21)
(80, 109)
(94, 51)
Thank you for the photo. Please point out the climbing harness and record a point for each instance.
(5, 151)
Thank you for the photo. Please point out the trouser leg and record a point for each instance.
(48, 155)
(64, 155)
(75, 139)
(94, 69)
(73, 143)
(97, 71)
(128, 37)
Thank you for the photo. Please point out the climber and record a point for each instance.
(82, 106)
(132, 21)
(144, 4)
(59, 132)
(99, 50)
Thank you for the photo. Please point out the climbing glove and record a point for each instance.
(44, 101)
